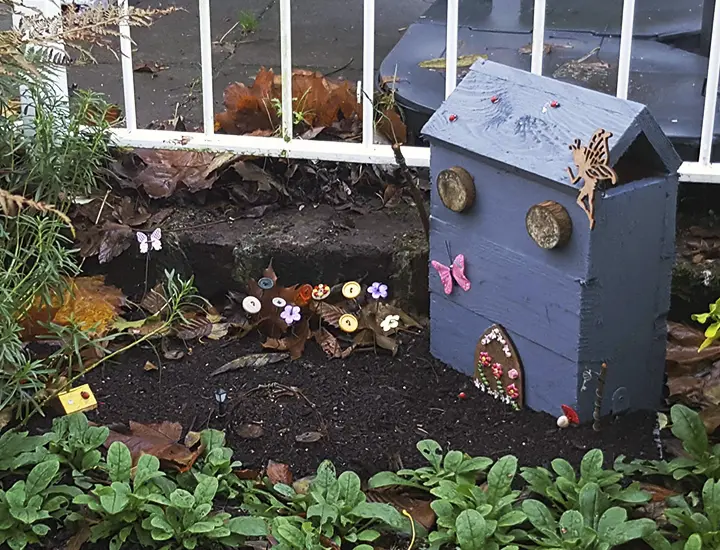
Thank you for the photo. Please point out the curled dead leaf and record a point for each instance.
(192, 439)
(149, 366)
(277, 472)
(418, 508)
(159, 440)
(250, 431)
(309, 437)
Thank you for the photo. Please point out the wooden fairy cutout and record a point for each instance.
(593, 166)
(498, 370)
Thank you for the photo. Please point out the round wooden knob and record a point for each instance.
(549, 224)
(456, 188)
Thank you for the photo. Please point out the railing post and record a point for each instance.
(711, 90)
(451, 46)
(538, 37)
(626, 38)
(368, 79)
(286, 69)
(128, 75)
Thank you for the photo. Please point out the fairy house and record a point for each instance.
(552, 242)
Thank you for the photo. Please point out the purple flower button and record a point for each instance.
(290, 314)
(378, 290)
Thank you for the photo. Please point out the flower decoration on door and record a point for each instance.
(498, 371)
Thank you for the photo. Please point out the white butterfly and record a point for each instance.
(154, 242)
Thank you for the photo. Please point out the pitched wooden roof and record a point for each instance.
(522, 129)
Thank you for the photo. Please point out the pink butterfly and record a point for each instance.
(457, 268)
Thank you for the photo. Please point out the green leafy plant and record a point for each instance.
(216, 461)
(697, 527)
(18, 449)
(248, 22)
(115, 510)
(702, 460)
(589, 526)
(186, 519)
(476, 518)
(454, 466)
(77, 443)
(562, 487)
(27, 508)
(335, 509)
(712, 332)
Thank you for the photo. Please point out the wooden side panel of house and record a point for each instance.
(501, 203)
(626, 300)
(525, 296)
(550, 380)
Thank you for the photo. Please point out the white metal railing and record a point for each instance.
(368, 152)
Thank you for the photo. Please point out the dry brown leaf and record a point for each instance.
(308, 437)
(106, 242)
(328, 342)
(218, 331)
(657, 492)
(159, 440)
(278, 472)
(79, 538)
(251, 361)
(149, 366)
(154, 301)
(320, 100)
(91, 303)
(192, 439)
(249, 475)
(418, 508)
(711, 418)
(194, 327)
(166, 170)
(250, 431)
(392, 126)
(295, 343)
(329, 313)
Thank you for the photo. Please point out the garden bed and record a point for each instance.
(373, 409)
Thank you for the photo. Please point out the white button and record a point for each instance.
(251, 305)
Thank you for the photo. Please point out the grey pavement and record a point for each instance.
(326, 36)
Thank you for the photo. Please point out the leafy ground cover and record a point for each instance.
(83, 483)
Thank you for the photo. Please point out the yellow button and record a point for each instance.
(351, 290)
(348, 323)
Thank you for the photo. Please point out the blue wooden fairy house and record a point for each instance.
(554, 206)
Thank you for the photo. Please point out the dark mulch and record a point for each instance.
(374, 407)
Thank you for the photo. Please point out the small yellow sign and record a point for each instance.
(80, 399)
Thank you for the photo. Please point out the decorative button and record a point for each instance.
(351, 290)
(390, 322)
(279, 302)
(456, 188)
(304, 294)
(252, 305)
(266, 283)
(320, 292)
(348, 323)
(548, 224)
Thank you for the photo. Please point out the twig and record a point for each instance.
(598, 397)
(102, 206)
(229, 31)
(335, 71)
(409, 181)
